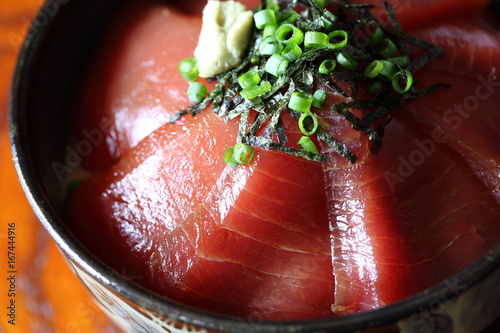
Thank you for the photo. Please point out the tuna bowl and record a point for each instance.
(48, 73)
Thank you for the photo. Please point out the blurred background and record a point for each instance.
(48, 297)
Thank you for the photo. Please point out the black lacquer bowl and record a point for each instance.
(48, 73)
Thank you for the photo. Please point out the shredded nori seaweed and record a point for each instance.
(378, 112)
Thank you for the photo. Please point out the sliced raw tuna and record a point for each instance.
(210, 236)
(285, 238)
(427, 204)
(134, 86)
(257, 247)
(417, 12)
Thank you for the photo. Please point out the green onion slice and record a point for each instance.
(197, 92)
(319, 98)
(273, 5)
(269, 30)
(347, 61)
(375, 87)
(387, 48)
(388, 70)
(336, 34)
(291, 52)
(270, 46)
(228, 157)
(249, 79)
(243, 154)
(374, 69)
(401, 61)
(327, 66)
(403, 78)
(376, 36)
(306, 143)
(252, 92)
(315, 39)
(288, 16)
(287, 33)
(189, 69)
(264, 17)
(276, 65)
(328, 19)
(320, 4)
(300, 101)
(302, 123)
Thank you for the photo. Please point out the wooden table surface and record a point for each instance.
(48, 297)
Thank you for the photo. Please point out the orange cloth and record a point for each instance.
(48, 296)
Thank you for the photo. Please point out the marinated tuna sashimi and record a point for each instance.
(438, 175)
(284, 237)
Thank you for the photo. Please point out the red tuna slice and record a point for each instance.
(427, 204)
(258, 247)
(466, 115)
(124, 212)
(412, 13)
(405, 219)
(134, 85)
(470, 43)
(173, 219)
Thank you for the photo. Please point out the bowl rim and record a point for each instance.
(163, 306)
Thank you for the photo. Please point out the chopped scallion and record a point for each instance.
(327, 66)
(287, 33)
(264, 17)
(249, 79)
(388, 70)
(308, 117)
(228, 157)
(288, 16)
(300, 101)
(255, 91)
(315, 39)
(375, 87)
(319, 98)
(273, 5)
(402, 81)
(291, 52)
(243, 154)
(328, 19)
(347, 61)
(320, 4)
(401, 61)
(374, 69)
(336, 34)
(306, 143)
(387, 48)
(189, 69)
(376, 36)
(276, 65)
(197, 92)
(269, 30)
(270, 46)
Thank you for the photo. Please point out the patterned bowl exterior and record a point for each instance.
(56, 50)
(455, 309)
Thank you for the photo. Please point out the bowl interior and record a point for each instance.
(51, 67)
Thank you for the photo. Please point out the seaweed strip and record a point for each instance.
(227, 102)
